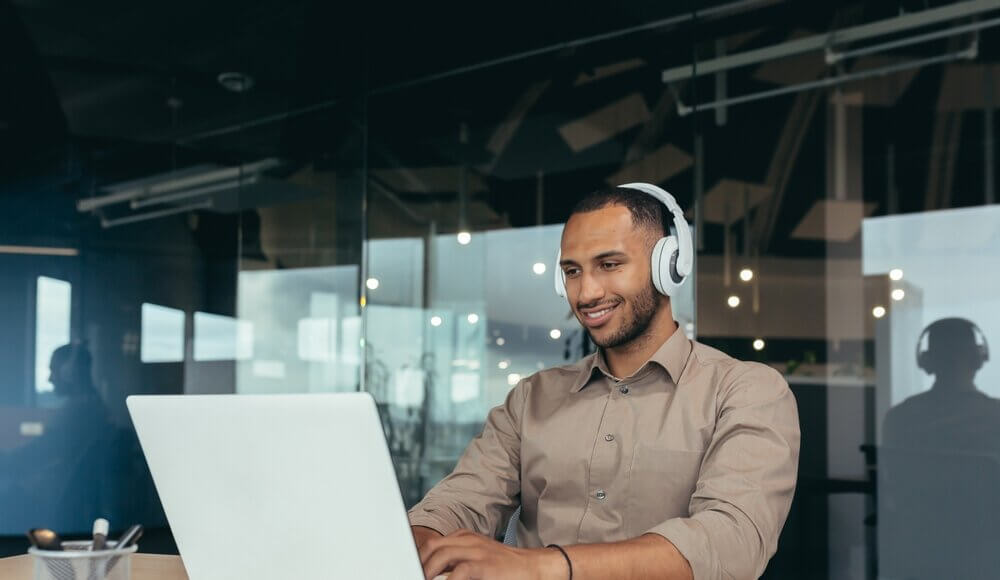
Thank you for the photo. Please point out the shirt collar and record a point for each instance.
(672, 356)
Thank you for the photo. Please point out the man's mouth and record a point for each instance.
(593, 318)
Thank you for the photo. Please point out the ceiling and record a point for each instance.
(126, 90)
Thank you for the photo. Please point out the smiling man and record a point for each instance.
(656, 457)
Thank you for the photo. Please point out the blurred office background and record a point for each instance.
(305, 196)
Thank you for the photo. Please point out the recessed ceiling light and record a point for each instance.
(236, 82)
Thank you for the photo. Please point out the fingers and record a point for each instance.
(457, 538)
(448, 558)
(465, 571)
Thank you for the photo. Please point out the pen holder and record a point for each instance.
(76, 562)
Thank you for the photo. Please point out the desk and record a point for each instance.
(144, 567)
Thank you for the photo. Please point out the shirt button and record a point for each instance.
(623, 389)
(600, 494)
(609, 437)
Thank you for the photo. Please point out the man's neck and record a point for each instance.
(626, 359)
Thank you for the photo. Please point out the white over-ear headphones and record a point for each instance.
(673, 255)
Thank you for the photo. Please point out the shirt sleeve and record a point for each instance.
(746, 483)
(484, 489)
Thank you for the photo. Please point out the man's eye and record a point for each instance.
(571, 272)
(609, 265)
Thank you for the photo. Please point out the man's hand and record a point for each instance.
(466, 555)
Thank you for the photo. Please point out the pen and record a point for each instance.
(100, 534)
(128, 538)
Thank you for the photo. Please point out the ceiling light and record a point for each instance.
(555, 333)
(472, 318)
(236, 82)
(898, 294)
(538, 268)
(39, 250)
(895, 274)
(371, 283)
(435, 321)
(464, 238)
(878, 311)
(758, 344)
(500, 341)
(502, 365)
(746, 274)
(513, 378)
(733, 301)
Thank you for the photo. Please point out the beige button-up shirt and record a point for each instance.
(695, 446)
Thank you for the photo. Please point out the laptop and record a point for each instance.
(277, 486)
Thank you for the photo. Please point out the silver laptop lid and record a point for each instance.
(277, 486)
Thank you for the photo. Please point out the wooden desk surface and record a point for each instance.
(144, 567)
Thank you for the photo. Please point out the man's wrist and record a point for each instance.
(552, 564)
(422, 533)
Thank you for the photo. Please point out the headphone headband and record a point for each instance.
(685, 257)
(660, 194)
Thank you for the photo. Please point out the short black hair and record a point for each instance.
(646, 210)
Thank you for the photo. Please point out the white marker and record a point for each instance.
(100, 534)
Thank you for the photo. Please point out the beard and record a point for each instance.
(637, 320)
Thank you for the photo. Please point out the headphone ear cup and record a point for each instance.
(922, 362)
(559, 277)
(666, 280)
(981, 356)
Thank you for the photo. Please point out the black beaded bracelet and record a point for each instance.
(565, 555)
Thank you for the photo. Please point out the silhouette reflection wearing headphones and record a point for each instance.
(939, 466)
(60, 478)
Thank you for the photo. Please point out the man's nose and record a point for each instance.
(590, 289)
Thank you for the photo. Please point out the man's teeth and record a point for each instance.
(599, 313)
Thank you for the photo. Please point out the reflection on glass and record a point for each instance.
(58, 474)
(939, 458)
(52, 319)
(219, 337)
(306, 330)
(946, 275)
(162, 334)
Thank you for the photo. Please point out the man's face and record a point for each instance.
(605, 258)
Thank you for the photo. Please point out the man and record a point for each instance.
(657, 457)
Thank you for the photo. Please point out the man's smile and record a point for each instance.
(598, 315)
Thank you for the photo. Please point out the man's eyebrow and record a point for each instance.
(597, 258)
(610, 254)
